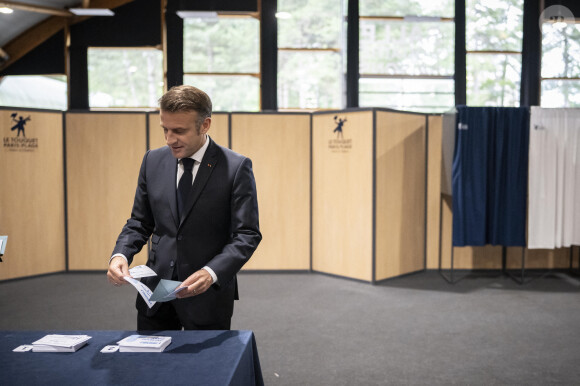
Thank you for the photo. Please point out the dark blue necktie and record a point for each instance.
(184, 186)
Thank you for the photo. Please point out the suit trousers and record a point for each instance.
(167, 318)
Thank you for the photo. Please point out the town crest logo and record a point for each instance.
(339, 144)
(20, 122)
(18, 141)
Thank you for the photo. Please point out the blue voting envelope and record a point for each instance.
(166, 290)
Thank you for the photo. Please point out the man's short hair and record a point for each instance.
(186, 99)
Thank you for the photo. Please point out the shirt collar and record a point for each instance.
(198, 155)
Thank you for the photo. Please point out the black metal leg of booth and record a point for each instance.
(451, 278)
(451, 271)
(522, 278)
(574, 271)
(440, 270)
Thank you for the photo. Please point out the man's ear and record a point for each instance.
(205, 125)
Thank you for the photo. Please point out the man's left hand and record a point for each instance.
(196, 284)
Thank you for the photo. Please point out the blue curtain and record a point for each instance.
(490, 176)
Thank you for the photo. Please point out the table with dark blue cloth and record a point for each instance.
(192, 358)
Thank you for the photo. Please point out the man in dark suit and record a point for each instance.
(197, 202)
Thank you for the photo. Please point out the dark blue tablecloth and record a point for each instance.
(193, 358)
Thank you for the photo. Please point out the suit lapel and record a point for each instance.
(169, 182)
(206, 167)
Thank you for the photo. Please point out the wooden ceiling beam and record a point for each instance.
(36, 8)
(41, 32)
(32, 38)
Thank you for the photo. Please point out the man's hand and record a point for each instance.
(118, 268)
(196, 284)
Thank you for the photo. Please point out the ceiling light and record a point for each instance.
(92, 11)
(6, 10)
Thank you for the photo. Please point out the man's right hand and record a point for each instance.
(118, 268)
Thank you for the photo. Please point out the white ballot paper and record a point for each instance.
(60, 343)
(143, 290)
(144, 343)
(141, 271)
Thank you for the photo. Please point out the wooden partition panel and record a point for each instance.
(219, 130)
(400, 193)
(279, 146)
(156, 137)
(31, 193)
(104, 153)
(539, 258)
(342, 194)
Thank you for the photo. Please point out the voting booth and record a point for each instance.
(103, 155)
(279, 147)
(503, 255)
(32, 204)
(368, 193)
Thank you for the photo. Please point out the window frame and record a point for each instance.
(258, 75)
(490, 53)
(406, 19)
(132, 48)
(340, 50)
(553, 78)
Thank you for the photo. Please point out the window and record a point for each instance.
(222, 57)
(560, 65)
(494, 32)
(125, 77)
(407, 61)
(310, 54)
(35, 91)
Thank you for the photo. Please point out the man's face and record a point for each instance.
(182, 134)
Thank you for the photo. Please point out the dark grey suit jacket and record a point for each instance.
(220, 228)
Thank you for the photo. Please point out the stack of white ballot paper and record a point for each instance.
(60, 343)
(164, 292)
(144, 343)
